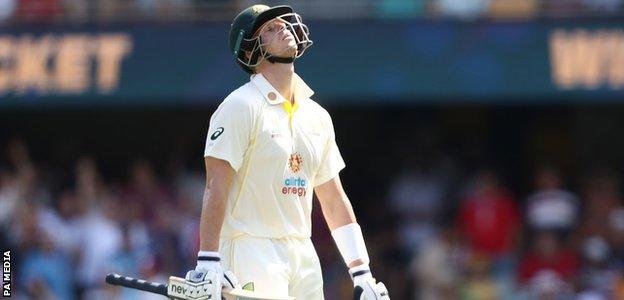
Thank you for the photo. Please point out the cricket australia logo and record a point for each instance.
(294, 162)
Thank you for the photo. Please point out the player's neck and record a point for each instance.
(280, 76)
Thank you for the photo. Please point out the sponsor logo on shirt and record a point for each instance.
(276, 134)
(216, 133)
(295, 186)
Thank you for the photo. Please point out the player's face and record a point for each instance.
(278, 39)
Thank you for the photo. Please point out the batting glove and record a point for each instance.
(364, 285)
(208, 277)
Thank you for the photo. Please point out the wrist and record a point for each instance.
(208, 259)
(360, 272)
(350, 242)
(355, 263)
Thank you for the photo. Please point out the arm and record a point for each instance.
(336, 207)
(219, 175)
(208, 272)
(341, 220)
(226, 142)
(347, 234)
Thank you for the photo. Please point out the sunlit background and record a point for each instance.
(483, 141)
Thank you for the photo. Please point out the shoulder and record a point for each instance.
(317, 110)
(320, 116)
(244, 96)
(242, 101)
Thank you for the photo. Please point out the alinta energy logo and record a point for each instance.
(295, 185)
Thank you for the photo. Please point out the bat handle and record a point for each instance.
(139, 284)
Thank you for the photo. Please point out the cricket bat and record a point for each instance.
(177, 287)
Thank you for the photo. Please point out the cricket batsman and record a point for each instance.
(268, 146)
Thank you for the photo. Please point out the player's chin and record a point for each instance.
(290, 51)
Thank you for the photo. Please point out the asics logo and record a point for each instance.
(217, 133)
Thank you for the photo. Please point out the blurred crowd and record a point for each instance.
(67, 233)
(181, 10)
(492, 244)
(439, 235)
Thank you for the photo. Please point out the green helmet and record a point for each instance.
(247, 22)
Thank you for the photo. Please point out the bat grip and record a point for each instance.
(139, 284)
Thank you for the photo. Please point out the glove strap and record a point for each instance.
(208, 256)
(359, 271)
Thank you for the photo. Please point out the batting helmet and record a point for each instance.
(243, 36)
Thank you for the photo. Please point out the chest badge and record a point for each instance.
(295, 161)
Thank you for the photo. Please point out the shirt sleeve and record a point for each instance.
(332, 162)
(229, 132)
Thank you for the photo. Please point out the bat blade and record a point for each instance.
(178, 286)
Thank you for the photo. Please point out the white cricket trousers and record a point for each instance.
(280, 267)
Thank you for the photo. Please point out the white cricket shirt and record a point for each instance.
(279, 151)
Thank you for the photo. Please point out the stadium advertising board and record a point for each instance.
(380, 61)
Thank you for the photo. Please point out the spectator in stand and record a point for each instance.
(439, 266)
(616, 259)
(489, 217)
(601, 196)
(400, 8)
(131, 219)
(77, 10)
(479, 284)
(164, 8)
(126, 261)
(489, 221)
(29, 185)
(561, 7)
(59, 222)
(548, 254)
(597, 279)
(99, 233)
(21, 188)
(44, 272)
(417, 197)
(100, 237)
(551, 206)
(616, 238)
(38, 10)
(7, 7)
(465, 9)
(9, 196)
(546, 285)
(602, 5)
(189, 188)
(145, 188)
(513, 8)
(89, 183)
(162, 215)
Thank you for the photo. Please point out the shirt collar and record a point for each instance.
(302, 90)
